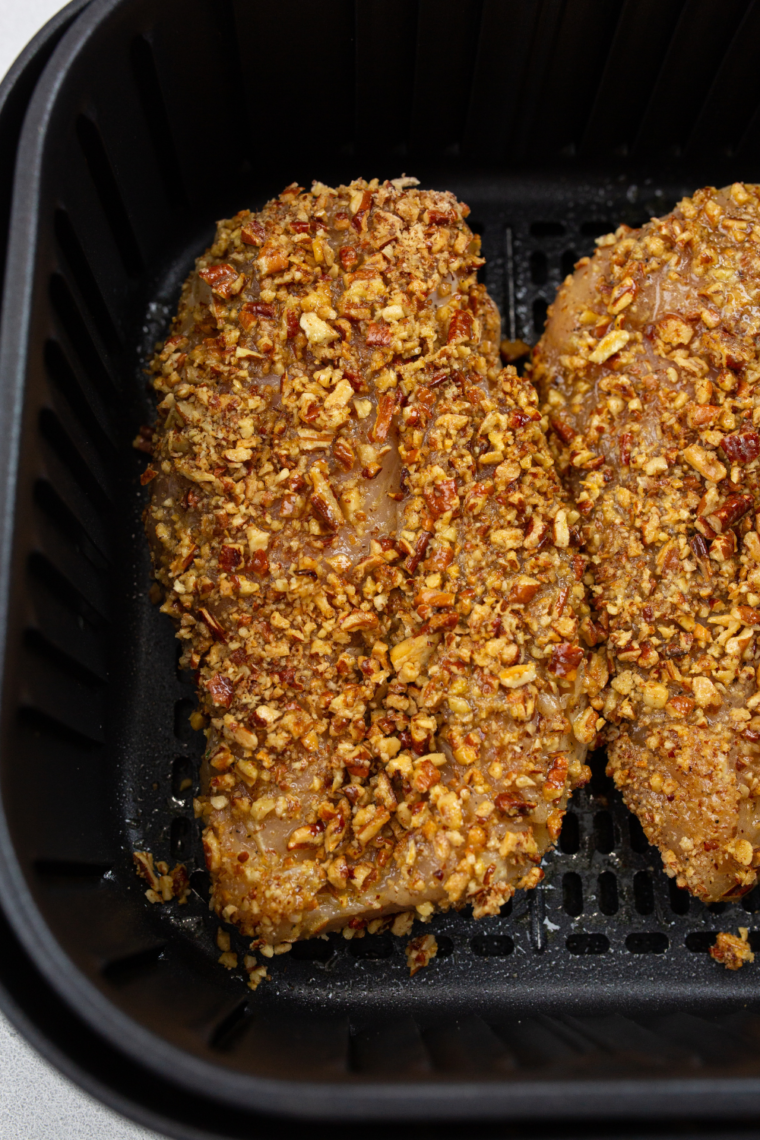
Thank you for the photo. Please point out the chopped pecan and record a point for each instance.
(512, 805)
(221, 689)
(359, 619)
(524, 590)
(556, 776)
(386, 407)
(565, 659)
(419, 552)
(701, 553)
(323, 502)
(378, 334)
(344, 453)
(460, 325)
(215, 629)
(563, 429)
(442, 497)
(230, 557)
(224, 279)
(253, 233)
(705, 463)
(735, 507)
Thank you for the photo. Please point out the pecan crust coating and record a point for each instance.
(361, 537)
(648, 372)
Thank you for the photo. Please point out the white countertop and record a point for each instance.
(36, 1101)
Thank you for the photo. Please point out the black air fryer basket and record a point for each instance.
(590, 997)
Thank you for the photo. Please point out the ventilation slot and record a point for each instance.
(64, 873)
(678, 897)
(639, 842)
(183, 777)
(78, 334)
(604, 836)
(53, 432)
(200, 881)
(122, 971)
(225, 1035)
(39, 646)
(652, 942)
(572, 894)
(39, 723)
(315, 950)
(372, 946)
(540, 309)
(157, 119)
(643, 893)
(84, 278)
(600, 784)
(180, 835)
(569, 839)
(110, 197)
(538, 267)
(492, 945)
(87, 406)
(50, 577)
(608, 893)
(183, 730)
(567, 264)
(588, 944)
(54, 508)
(700, 941)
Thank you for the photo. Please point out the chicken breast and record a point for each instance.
(648, 370)
(371, 564)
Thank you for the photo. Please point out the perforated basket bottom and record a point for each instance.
(606, 955)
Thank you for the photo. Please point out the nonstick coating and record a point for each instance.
(592, 996)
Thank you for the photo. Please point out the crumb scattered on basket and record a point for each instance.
(163, 884)
(420, 952)
(229, 959)
(732, 952)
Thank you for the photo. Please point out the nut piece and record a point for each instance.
(705, 463)
(730, 951)
(410, 656)
(561, 530)
(317, 331)
(420, 952)
(609, 344)
(655, 696)
(517, 676)
(705, 693)
(257, 539)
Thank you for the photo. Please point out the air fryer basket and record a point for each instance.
(591, 996)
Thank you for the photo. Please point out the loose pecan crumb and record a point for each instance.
(163, 884)
(730, 951)
(420, 952)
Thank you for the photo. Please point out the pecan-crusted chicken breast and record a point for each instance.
(362, 539)
(649, 373)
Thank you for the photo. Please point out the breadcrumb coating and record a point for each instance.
(648, 372)
(372, 566)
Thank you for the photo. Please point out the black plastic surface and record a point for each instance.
(15, 92)
(594, 995)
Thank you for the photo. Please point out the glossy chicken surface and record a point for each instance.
(362, 539)
(648, 372)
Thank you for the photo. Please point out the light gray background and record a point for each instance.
(36, 1102)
